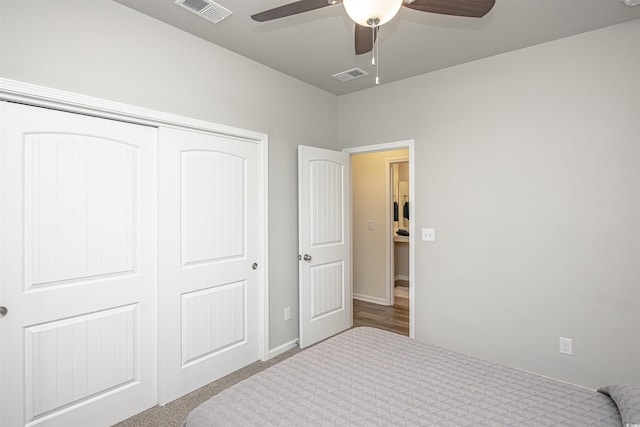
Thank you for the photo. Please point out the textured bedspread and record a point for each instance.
(368, 377)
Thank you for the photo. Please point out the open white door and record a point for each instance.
(77, 268)
(324, 215)
(210, 258)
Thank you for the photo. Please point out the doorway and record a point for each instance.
(374, 235)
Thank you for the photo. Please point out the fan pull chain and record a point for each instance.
(374, 51)
(373, 43)
(376, 55)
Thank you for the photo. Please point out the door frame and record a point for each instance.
(41, 96)
(389, 146)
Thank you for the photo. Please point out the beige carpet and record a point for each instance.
(174, 413)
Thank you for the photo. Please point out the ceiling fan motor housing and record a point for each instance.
(372, 13)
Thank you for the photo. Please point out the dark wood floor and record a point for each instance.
(390, 318)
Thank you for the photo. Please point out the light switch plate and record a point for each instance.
(429, 234)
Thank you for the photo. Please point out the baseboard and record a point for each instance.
(283, 348)
(401, 277)
(367, 298)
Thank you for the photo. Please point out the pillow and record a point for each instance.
(627, 397)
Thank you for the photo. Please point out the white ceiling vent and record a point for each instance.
(351, 74)
(205, 9)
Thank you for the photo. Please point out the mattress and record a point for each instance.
(369, 377)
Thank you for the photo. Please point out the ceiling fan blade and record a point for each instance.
(290, 9)
(470, 8)
(363, 39)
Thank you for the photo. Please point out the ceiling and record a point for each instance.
(313, 46)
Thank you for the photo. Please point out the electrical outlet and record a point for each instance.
(371, 225)
(566, 346)
(287, 313)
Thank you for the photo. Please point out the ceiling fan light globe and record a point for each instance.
(368, 12)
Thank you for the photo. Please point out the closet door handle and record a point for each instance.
(306, 257)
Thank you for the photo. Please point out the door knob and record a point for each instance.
(307, 257)
(254, 265)
(3, 312)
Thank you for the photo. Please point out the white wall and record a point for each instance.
(370, 196)
(103, 49)
(528, 167)
(401, 260)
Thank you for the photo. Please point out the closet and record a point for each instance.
(131, 263)
(401, 224)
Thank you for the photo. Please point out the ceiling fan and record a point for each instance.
(370, 14)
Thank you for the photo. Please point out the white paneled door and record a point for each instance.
(77, 268)
(210, 258)
(324, 216)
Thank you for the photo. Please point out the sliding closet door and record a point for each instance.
(77, 268)
(210, 258)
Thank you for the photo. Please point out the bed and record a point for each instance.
(366, 376)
